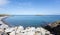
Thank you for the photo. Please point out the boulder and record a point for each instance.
(54, 27)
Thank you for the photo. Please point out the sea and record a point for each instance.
(31, 20)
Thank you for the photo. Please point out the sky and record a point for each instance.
(30, 7)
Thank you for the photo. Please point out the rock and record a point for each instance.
(54, 27)
(54, 24)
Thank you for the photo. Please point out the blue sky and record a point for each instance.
(30, 7)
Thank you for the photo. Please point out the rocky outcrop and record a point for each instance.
(27, 31)
(54, 27)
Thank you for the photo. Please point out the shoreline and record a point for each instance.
(4, 17)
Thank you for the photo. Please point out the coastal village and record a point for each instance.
(5, 29)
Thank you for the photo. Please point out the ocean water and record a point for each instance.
(32, 20)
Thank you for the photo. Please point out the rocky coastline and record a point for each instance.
(53, 28)
(4, 21)
(19, 30)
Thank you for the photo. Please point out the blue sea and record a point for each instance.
(31, 20)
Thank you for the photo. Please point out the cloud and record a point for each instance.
(4, 2)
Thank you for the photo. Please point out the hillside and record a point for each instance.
(3, 15)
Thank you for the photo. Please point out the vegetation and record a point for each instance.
(3, 15)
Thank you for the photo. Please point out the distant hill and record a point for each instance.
(39, 15)
(4, 15)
